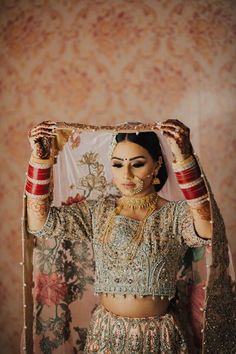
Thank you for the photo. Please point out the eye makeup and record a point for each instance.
(117, 164)
(137, 164)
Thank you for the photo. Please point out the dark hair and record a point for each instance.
(150, 142)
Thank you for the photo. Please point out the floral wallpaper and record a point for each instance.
(103, 61)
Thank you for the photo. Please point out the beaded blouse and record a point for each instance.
(167, 234)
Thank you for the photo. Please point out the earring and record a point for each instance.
(155, 180)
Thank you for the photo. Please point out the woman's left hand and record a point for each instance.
(178, 136)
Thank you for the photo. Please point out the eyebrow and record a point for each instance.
(132, 158)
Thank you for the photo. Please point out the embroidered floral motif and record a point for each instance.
(95, 180)
(74, 140)
(76, 199)
(50, 289)
(66, 267)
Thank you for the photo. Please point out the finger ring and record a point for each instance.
(177, 129)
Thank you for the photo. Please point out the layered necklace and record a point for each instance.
(145, 202)
(148, 202)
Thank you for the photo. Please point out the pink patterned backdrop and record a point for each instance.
(103, 61)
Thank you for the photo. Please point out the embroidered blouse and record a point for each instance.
(167, 234)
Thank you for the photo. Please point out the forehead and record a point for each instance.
(127, 149)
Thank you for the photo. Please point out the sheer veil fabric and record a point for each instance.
(58, 275)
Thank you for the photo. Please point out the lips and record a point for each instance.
(129, 185)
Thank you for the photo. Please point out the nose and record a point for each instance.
(127, 172)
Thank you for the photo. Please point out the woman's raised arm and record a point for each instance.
(189, 175)
(39, 174)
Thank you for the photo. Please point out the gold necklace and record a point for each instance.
(139, 202)
(150, 202)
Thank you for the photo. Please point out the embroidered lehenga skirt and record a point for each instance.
(112, 334)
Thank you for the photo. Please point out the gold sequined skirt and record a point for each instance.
(112, 334)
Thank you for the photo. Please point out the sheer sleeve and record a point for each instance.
(68, 222)
(185, 226)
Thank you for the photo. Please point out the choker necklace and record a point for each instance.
(139, 202)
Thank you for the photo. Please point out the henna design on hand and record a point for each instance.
(177, 131)
(204, 211)
(38, 207)
(183, 142)
(43, 147)
(41, 138)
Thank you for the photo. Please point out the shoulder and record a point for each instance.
(172, 205)
(106, 201)
(182, 206)
(176, 209)
(182, 211)
(101, 202)
(76, 207)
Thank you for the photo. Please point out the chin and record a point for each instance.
(129, 193)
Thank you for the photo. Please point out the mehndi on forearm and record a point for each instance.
(204, 211)
(37, 211)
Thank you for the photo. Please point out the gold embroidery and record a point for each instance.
(95, 180)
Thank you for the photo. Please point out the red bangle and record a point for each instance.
(195, 191)
(37, 189)
(39, 173)
(188, 175)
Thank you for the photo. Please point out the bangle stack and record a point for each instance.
(38, 178)
(191, 181)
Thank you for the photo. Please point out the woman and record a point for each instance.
(139, 238)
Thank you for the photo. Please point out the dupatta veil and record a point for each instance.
(59, 274)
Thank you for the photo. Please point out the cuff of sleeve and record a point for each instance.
(205, 241)
(200, 241)
(47, 227)
(187, 229)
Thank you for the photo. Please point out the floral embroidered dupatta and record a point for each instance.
(59, 275)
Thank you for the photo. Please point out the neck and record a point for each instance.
(139, 201)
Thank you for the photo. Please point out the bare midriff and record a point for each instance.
(130, 306)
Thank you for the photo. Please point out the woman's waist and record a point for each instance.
(139, 307)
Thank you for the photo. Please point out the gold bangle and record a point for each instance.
(184, 162)
(189, 163)
(39, 161)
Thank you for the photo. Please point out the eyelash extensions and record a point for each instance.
(138, 164)
(135, 165)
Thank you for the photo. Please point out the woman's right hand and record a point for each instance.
(41, 137)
